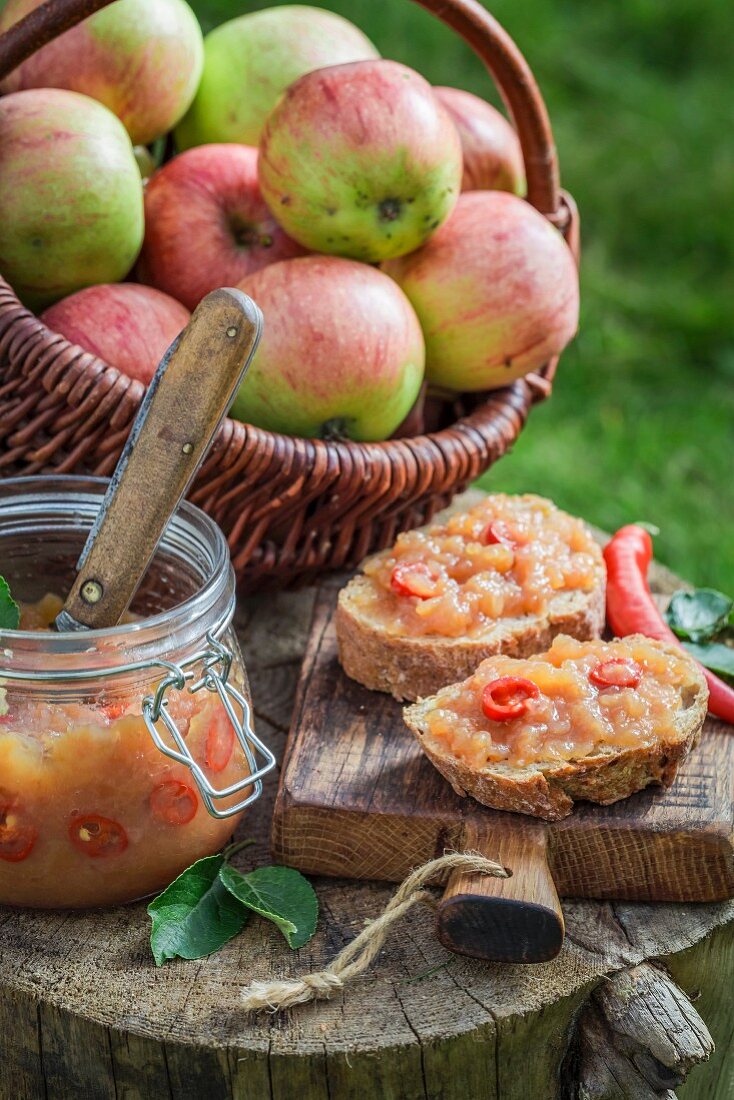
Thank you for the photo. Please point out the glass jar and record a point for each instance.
(126, 753)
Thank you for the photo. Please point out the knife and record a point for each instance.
(186, 402)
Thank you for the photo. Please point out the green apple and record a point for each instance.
(70, 193)
(360, 160)
(141, 58)
(251, 60)
(341, 354)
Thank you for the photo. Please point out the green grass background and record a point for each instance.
(641, 422)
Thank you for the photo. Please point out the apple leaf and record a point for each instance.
(210, 902)
(281, 895)
(716, 656)
(700, 615)
(9, 610)
(196, 914)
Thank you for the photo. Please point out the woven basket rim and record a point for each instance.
(529, 389)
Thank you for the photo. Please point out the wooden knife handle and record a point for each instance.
(183, 408)
(516, 919)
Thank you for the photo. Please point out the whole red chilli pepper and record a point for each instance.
(632, 610)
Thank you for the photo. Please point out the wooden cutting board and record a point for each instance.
(358, 799)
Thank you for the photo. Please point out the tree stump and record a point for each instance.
(86, 1015)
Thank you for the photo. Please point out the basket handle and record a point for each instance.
(468, 18)
(41, 26)
(520, 93)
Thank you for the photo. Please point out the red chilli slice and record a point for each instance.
(17, 835)
(219, 741)
(497, 532)
(507, 698)
(621, 672)
(113, 711)
(173, 802)
(95, 836)
(414, 579)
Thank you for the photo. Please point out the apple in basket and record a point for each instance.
(341, 354)
(206, 223)
(491, 148)
(70, 194)
(360, 160)
(496, 292)
(141, 58)
(251, 60)
(126, 325)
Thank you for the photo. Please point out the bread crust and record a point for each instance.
(550, 790)
(412, 667)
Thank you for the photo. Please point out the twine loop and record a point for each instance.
(357, 956)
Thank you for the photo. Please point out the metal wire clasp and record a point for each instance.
(215, 661)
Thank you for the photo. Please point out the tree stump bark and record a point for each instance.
(84, 1013)
(638, 1035)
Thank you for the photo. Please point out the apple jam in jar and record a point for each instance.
(125, 753)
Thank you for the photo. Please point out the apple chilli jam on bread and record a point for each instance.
(504, 576)
(594, 720)
(505, 558)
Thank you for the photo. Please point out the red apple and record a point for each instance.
(207, 225)
(127, 326)
(360, 160)
(142, 58)
(492, 154)
(495, 289)
(341, 353)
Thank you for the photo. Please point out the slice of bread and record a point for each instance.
(410, 667)
(549, 789)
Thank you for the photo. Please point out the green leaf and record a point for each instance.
(279, 894)
(715, 656)
(195, 915)
(699, 615)
(9, 610)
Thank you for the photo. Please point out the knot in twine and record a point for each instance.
(274, 996)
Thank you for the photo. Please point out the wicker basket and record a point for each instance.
(291, 508)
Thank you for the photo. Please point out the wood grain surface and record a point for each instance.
(85, 1014)
(358, 797)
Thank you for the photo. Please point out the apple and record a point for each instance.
(126, 325)
(141, 58)
(495, 289)
(250, 61)
(492, 155)
(341, 354)
(206, 223)
(360, 160)
(70, 193)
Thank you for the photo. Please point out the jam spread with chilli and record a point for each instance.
(564, 704)
(507, 557)
(87, 799)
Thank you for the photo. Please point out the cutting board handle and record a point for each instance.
(516, 919)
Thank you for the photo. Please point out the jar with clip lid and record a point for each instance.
(125, 753)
